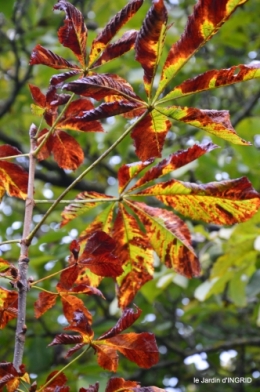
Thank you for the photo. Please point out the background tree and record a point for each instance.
(206, 326)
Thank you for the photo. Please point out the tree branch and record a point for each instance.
(22, 283)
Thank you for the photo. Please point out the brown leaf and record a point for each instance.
(44, 302)
(118, 48)
(98, 255)
(71, 303)
(139, 348)
(102, 85)
(73, 34)
(129, 317)
(107, 357)
(40, 55)
(57, 384)
(110, 30)
(150, 39)
(66, 150)
(119, 384)
(91, 388)
(106, 110)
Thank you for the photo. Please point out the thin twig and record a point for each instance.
(22, 284)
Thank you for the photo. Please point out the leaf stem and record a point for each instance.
(23, 263)
(10, 242)
(14, 157)
(75, 201)
(50, 276)
(89, 168)
(62, 370)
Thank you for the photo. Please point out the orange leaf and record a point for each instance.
(8, 306)
(66, 150)
(57, 384)
(44, 302)
(13, 178)
(139, 348)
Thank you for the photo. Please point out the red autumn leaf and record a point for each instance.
(70, 303)
(57, 384)
(102, 85)
(66, 150)
(68, 277)
(43, 56)
(118, 48)
(73, 34)
(112, 27)
(139, 348)
(8, 306)
(77, 109)
(149, 135)
(98, 255)
(91, 388)
(119, 384)
(150, 40)
(13, 178)
(57, 80)
(10, 377)
(44, 302)
(129, 316)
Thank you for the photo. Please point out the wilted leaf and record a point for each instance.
(43, 56)
(91, 388)
(129, 316)
(118, 384)
(150, 40)
(73, 34)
